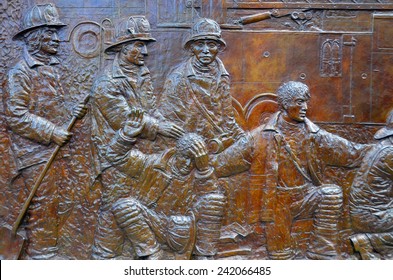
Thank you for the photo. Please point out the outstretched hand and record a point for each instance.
(134, 125)
(170, 129)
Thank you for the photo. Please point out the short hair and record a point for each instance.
(183, 145)
(33, 39)
(289, 90)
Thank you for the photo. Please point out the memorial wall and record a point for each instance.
(195, 129)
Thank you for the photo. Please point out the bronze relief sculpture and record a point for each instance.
(371, 199)
(36, 111)
(287, 157)
(197, 93)
(173, 148)
(126, 85)
(180, 205)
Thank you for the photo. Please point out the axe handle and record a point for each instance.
(42, 176)
(255, 18)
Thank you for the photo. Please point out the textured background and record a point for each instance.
(341, 49)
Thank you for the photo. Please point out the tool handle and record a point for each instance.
(255, 18)
(42, 176)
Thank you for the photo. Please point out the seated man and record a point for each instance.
(371, 199)
(179, 204)
(287, 158)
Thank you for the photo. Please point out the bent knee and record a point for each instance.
(126, 205)
(215, 197)
(332, 190)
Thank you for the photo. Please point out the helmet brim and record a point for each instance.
(111, 48)
(191, 40)
(383, 133)
(20, 34)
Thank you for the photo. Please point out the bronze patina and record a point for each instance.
(157, 129)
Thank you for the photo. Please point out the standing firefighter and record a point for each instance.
(37, 111)
(196, 95)
(124, 86)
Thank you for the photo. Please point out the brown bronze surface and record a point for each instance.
(212, 130)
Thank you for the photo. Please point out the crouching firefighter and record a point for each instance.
(178, 205)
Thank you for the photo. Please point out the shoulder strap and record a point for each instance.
(292, 156)
(314, 175)
(202, 108)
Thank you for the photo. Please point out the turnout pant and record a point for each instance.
(322, 204)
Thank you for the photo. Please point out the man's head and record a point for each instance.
(43, 40)
(292, 98)
(134, 52)
(39, 29)
(205, 41)
(37, 18)
(131, 37)
(184, 157)
(205, 51)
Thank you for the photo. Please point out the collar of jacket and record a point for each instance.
(117, 72)
(32, 62)
(273, 122)
(190, 70)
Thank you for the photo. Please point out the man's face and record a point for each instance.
(135, 53)
(205, 50)
(50, 41)
(296, 109)
(184, 162)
